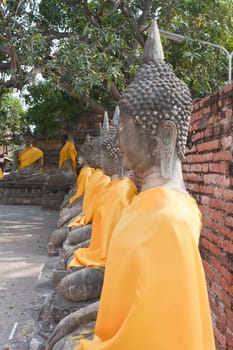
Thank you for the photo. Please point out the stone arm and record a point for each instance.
(76, 319)
(69, 253)
(79, 234)
(70, 214)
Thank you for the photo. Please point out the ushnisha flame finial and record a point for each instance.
(157, 95)
(116, 117)
(153, 50)
(106, 122)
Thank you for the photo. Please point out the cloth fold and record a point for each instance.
(29, 156)
(154, 294)
(116, 196)
(68, 152)
(96, 185)
(82, 180)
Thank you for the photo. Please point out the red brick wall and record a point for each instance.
(208, 173)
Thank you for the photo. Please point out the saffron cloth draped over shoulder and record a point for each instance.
(117, 195)
(82, 181)
(96, 185)
(154, 295)
(29, 156)
(68, 152)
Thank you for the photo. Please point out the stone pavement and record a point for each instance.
(24, 233)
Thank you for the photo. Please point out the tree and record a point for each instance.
(11, 119)
(92, 48)
(16, 36)
(203, 68)
(50, 109)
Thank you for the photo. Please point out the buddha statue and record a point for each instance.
(154, 294)
(85, 284)
(68, 152)
(66, 172)
(72, 204)
(27, 162)
(116, 196)
(84, 173)
(81, 226)
(84, 211)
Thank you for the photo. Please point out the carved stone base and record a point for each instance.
(55, 308)
(21, 192)
(53, 196)
(31, 192)
(70, 341)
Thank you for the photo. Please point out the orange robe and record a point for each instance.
(95, 187)
(154, 295)
(82, 181)
(1, 174)
(68, 152)
(117, 195)
(29, 156)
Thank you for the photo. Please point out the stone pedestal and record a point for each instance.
(32, 193)
(20, 192)
(53, 196)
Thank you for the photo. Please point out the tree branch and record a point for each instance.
(146, 12)
(5, 66)
(14, 83)
(93, 105)
(101, 10)
(12, 52)
(116, 5)
(93, 17)
(115, 92)
(132, 22)
(18, 7)
(90, 103)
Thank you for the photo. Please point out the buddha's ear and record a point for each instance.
(167, 147)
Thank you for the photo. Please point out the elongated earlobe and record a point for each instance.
(167, 146)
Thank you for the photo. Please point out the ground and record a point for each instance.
(24, 234)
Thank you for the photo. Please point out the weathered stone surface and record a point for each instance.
(33, 193)
(21, 192)
(58, 275)
(45, 280)
(53, 196)
(59, 236)
(79, 234)
(84, 284)
(54, 309)
(79, 322)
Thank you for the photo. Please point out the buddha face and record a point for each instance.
(137, 148)
(107, 163)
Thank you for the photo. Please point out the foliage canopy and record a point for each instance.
(50, 110)
(91, 49)
(12, 119)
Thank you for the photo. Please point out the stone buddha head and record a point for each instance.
(63, 138)
(28, 138)
(84, 151)
(93, 158)
(155, 112)
(111, 158)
